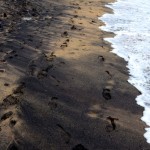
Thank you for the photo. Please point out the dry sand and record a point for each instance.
(61, 88)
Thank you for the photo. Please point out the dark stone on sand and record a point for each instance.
(79, 147)
(6, 115)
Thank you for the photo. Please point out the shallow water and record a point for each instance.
(131, 24)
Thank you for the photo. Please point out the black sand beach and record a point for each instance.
(61, 88)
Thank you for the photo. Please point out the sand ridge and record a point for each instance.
(61, 87)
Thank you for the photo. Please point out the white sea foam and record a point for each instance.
(131, 24)
(27, 18)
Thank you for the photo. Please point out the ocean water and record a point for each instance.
(131, 24)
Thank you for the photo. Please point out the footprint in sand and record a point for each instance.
(101, 58)
(6, 115)
(32, 69)
(64, 34)
(19, 89)
(67, 40)
(108, 128)
(50, 57)
(54, 98)
(75, 4)
(12, 123)
(79, 147)
(71, 21)
(3, 61)
(55, 78)
(75, 16)
(93, 21)
(73, 27)
(6, 84)
(2, 70)
(12, 146)
(9, 101)
(52, 105)
(106, 94)
(65, 44)
(44, 72)
(11, 54)
(109, 73)
(75, 12)
(41, 72)
(67, 134)
(113, 124)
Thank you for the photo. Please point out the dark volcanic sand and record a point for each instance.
(61, 89)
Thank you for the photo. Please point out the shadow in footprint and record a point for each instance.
(19, 89)
(6, 115)
(53, 105)
(109, 73)
(109, 128)
(12, 146)
(66, 133)
(64, 34)
(101, 58)
(32, 69)
(6, 84)
(42, 74)
(79, 147)
(73, 27)
(112, 121)
(9, 101)
(106, 94)
(51, 57)
(12, 123)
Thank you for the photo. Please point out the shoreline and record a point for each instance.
(137, 76)
(62, 86)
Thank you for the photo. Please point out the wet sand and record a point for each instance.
(61, 88)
